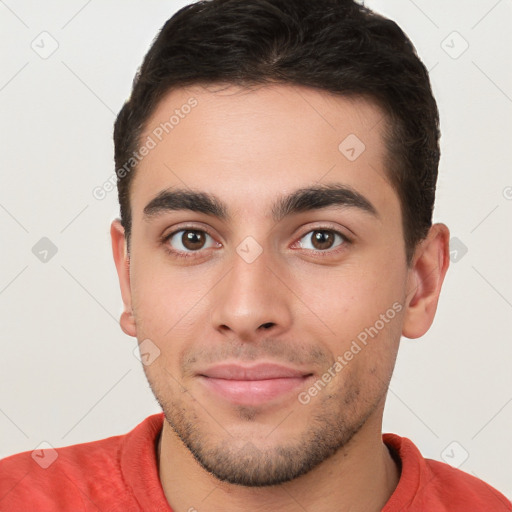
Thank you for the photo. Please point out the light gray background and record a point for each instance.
(67, 372)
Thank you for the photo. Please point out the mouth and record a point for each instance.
(253, 385)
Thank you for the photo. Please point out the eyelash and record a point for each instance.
(317, 253)
(345, 240)
(179, 254)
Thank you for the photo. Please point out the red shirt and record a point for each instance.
(120, 474)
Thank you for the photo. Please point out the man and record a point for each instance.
(276, 163)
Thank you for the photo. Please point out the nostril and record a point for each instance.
(268, 325)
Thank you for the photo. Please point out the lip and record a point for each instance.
(252, 385)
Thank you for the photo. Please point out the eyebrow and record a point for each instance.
(301, 200)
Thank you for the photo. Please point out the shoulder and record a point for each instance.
(76, 477)
(465, 491)
(55, 477)
(427, 484)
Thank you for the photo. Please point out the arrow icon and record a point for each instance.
(146, 352)
(457, 249)
(44, 44)
(351, 147)
(44, 250)
(454, 45)
(249, 249)
(455, 454)
(44, 455)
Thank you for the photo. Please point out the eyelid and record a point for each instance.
(178, 253)
(326, 227)
(347, 239)
(327, 253)
(187, 227)
(172, 235)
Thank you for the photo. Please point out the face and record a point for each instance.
(267, 275)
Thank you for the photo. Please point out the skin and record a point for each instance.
(295, 304)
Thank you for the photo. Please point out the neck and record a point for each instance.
(362, 475)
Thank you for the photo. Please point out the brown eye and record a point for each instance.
(193, 240)
(322, 239)
(190, 240)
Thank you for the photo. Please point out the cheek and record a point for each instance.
(364, 362)
(164, 299)
(352, 297)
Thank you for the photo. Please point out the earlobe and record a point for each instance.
(122, 261)
(426, 275)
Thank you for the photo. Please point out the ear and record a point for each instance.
(122, 261)
(426, 275)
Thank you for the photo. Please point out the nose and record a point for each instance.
(252, 300)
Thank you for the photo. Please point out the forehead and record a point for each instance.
(247, 144)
